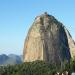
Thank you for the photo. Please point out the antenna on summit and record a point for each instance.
(45, 13)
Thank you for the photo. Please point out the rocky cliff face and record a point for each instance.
(71, 43)
(48, 40)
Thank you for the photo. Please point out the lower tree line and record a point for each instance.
(36, 68)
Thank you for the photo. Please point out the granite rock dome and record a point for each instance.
(48, 40)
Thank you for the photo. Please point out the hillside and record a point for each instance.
(36, 68)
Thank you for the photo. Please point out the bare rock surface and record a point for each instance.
(48, 40)
(71, 43)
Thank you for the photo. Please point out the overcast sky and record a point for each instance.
(16, 16)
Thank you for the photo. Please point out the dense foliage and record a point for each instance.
(34, 68)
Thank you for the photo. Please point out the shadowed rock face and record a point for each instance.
(47, 40)
(71, 43)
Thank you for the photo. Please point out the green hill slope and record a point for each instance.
(34, 68)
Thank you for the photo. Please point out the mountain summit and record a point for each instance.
(48, 40)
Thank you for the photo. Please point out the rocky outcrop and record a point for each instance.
(71, 43)
(47, 40)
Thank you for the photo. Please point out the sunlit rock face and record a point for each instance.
(47, 40)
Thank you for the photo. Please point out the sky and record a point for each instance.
(16, 17)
